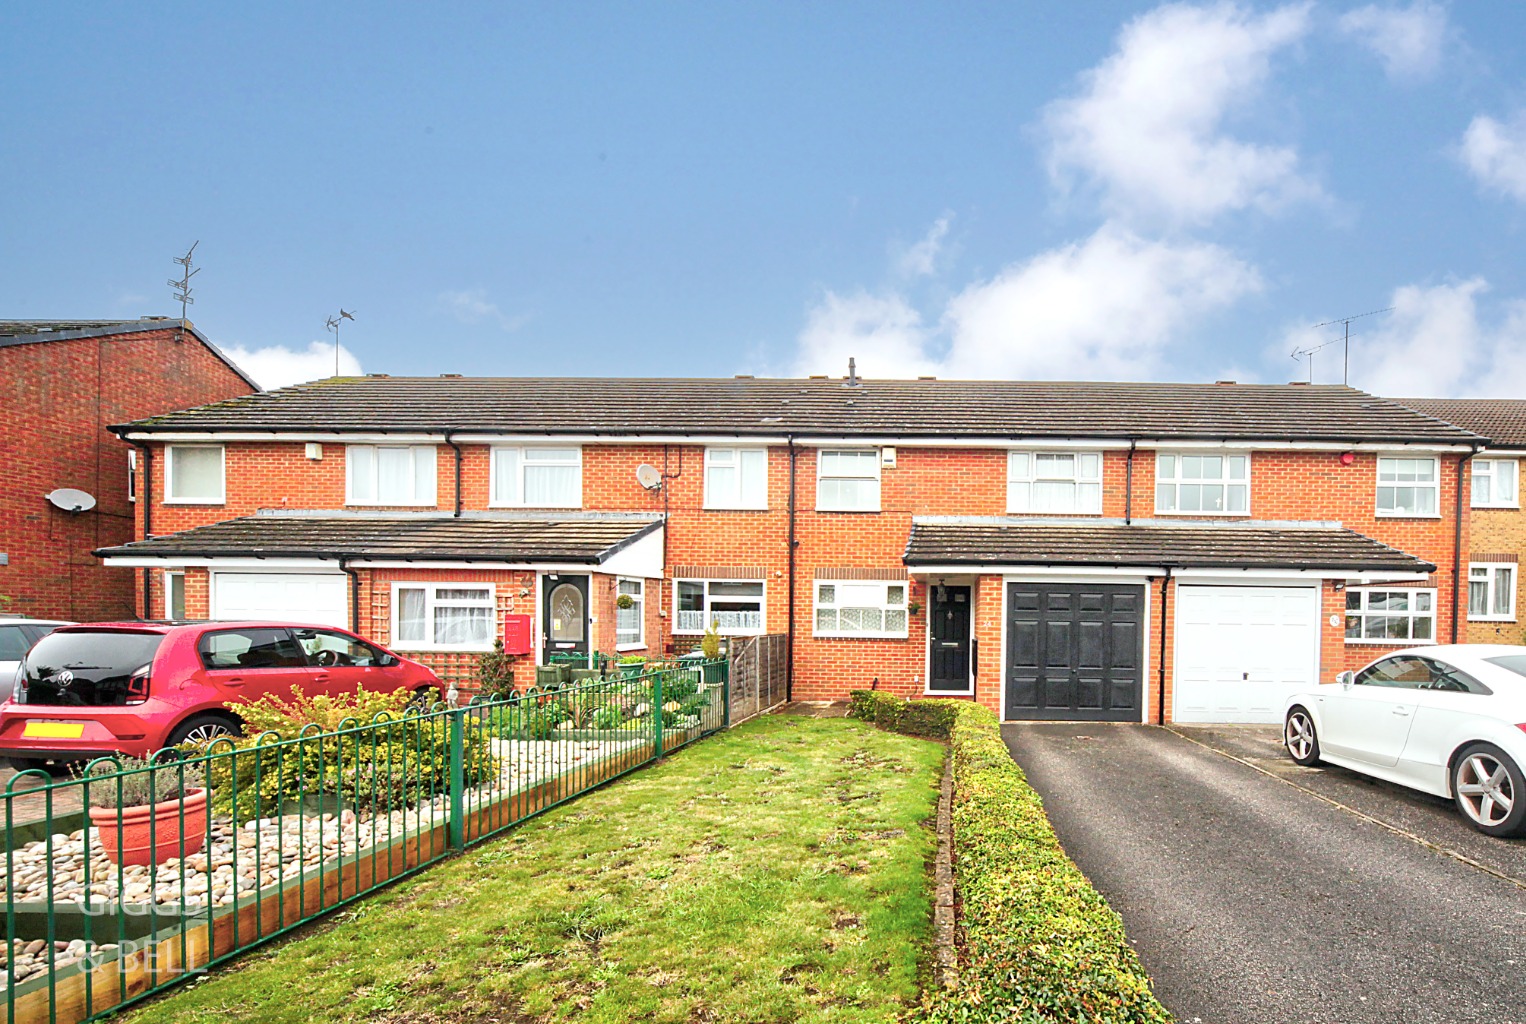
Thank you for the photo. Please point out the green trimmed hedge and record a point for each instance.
(933, 718)
(1039, 943)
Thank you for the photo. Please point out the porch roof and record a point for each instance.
(1151, 543)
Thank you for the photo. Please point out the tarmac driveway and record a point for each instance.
(1260, 893)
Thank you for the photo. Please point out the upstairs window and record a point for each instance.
(538, 477)
(1065, 482)
(848, 480)
(390, 475)
(193, 474)
(1496, 483)
(1408, 487)
(854, 608)
(1212, 485)
(734, 608)
(736, 478)
(1491, 592)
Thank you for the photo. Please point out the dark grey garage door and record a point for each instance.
(1073, 651)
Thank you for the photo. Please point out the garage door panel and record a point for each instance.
(1241, 650)
(1091, 653)
(1089, 692)
(287, 597)
(1074, 651)
(1057, 645)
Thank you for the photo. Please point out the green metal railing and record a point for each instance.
(260, 835)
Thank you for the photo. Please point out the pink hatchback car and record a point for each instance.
(136, 687)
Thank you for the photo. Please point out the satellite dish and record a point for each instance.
(649, 477)
(71, 499)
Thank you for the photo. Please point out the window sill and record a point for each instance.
(860, 511)
(1505, 508)
(391, 504)
(859, 636)
(1036, 512)
(719, 632)
(1361, 642)
(1180, 514)
(194, 501)
(734, 508)
(1407, 515)
(630, 647)
(1492, 618)
(507, 504)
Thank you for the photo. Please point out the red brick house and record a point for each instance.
(61, 384)
(1123, 552)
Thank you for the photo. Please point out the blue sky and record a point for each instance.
(1137, 191)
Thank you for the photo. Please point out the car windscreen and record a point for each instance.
(86, 668)
(1514, 662)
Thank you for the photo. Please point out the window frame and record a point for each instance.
(710, 499)
(413, 453)
(1491, 581)
(1493, 474)
(1378, 485)
(431, 601)
(884, 606)
(517, 499)
(132, 476)
(879, 474)
(1364, 613)
(705, 583)
(169, 611)
(638, 644)
(1032, 477)
(169, 476)
(1176, 481)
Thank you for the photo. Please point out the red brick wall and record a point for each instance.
(59, 397)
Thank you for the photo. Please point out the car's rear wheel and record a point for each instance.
(40, 764)
(1299, 736)
(1490, 790)
(203, 729)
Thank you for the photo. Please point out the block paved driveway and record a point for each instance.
(1258, 892)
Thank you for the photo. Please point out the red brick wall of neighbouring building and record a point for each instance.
(59, 396)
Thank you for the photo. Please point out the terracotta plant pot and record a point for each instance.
(151, 834)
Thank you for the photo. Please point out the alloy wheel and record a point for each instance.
(1484, 789)
(1298, 736)
(207, 732)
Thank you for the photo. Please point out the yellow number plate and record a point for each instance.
(54, 730)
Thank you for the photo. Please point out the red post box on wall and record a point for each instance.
(516, 634)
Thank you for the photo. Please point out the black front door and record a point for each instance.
(565, 617)
(948, 630)
(1074, 651)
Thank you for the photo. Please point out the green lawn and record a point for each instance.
(777, 872)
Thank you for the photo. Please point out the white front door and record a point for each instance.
(316, 599)
(1240, 651)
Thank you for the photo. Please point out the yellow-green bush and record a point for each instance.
(1039, 944)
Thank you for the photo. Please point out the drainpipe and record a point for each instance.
(146, 497)
(1160, 668)
(1462, 465)
(457, 448)
(1128, 485)
(354, 575)
(789, 638)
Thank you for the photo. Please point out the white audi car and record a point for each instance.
(1448, 720)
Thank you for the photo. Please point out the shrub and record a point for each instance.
(710, 643)
(495, 673)
(149, 783)
(1039, 942)
(680, 685)
(392, 763)
(610, 716)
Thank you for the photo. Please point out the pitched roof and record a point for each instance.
(1502, 420)
(1010, 541)
(820, 407)
(34, 332)
(588, 538)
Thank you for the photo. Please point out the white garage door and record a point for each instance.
(1241, 650)
(283, 596)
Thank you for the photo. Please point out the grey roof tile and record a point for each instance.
(1502, 420)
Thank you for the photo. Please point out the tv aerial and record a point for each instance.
(71, 499)
(332, 323)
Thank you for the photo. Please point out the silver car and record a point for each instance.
(16, 638)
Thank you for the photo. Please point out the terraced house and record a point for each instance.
(1116, 552)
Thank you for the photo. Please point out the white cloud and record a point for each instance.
(1495, 153)
(1103, 308)
(921, 259)
(471, 306)
(276, 366)
(882, 332)
(1408, 40)
(1146, 128)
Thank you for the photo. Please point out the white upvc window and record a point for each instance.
(174, 595)
(1212, 484)
(193, 474)
(1067, 482)
(848, 480)
(733, 607)
(1496, 483)
(132, 474)
(390, 474)
(860, 608)
(538, 477)
(1401, 616)
(736, 478)
(1409, 487)
(630, 623)
(443, 616)
(1491, 591)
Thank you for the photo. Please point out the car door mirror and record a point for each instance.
(1345, 679)
(386, 660)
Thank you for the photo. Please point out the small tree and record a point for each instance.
(710, 643)
(495, 670)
